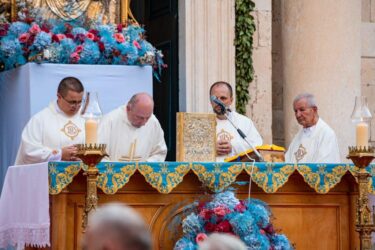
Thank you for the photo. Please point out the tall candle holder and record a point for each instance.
(91, 155)
(364, 223)
(362, 155)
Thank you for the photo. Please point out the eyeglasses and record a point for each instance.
(72, 103)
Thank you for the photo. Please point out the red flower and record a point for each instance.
(201, 237)
(221, 210)
(28, 20)
(119, 28)
(69, 35)
(68, 27)
(4, 29)
(224, 227)
(262, 231)
(45, 28)
(119, 37)
(95, 32)
(55, 38)
(79, 49)
(80, 37)
(240, 207)
(269, 229)
(90, 36)
(116, 52)
(101, 46)
(31, 40)
(35, 29)
(136, 44)
(23, 38)
(74, 57)
(201, 205)
(206, 214)
(209, 227)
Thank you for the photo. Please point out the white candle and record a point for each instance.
(91, 127)
(362, 134)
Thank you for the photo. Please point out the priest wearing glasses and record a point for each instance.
(51, 134)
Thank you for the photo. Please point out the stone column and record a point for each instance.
(321, 54)
(206, 50)
(259, 108)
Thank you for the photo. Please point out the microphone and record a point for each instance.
(219, 103)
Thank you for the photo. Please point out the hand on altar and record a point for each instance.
(223, 147)
(69, 153)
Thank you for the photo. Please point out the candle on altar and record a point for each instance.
(91, 128)
(362, 134)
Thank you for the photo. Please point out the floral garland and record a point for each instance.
(247, 219)
(30, 39)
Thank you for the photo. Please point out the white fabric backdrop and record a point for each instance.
(26, 90)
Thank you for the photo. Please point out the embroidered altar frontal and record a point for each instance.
(165, 176)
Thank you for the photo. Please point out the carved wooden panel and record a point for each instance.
(310, 220)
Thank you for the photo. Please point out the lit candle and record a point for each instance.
(362, 134)
(91, 127)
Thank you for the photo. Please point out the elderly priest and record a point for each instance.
(51, 134)
(133, 133)
(316, 141)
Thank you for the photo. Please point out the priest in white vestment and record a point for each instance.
(316, 142)
(229, 142)
(133, 133)
(50, 135)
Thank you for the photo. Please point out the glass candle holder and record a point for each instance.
(92, 113)
(361, 116)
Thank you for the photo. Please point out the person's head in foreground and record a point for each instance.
(221, 241)
(116, 227)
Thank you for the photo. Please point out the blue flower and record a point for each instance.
(90, 53)
(79, 30)
(18, 28)
(185, 244)
(192, 225)
(42, 41)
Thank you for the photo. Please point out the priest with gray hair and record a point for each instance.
(316, 141)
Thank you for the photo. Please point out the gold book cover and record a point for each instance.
(196, 137)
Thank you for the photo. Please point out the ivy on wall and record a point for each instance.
(244, 30)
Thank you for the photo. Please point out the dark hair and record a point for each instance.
(222, 83)
(69, 83)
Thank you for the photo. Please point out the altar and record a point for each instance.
(313, 204)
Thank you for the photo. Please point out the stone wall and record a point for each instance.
(368, 58)
(259, 108)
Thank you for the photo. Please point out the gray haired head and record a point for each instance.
(308, 97)
(119, 224)
(221, 241)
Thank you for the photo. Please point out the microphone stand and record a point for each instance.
(243, 136)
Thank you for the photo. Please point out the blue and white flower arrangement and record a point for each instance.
(30, 39)
(247, 219)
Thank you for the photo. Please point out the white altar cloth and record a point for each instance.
(24, 206)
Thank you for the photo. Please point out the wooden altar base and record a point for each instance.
(310, 220)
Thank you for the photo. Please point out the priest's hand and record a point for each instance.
(223, 147)
(69, 153)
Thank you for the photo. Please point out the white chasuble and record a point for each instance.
(316, 144)
(46, 133)
(128, 143)
(226, 131)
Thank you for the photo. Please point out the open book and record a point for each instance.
(270, 153)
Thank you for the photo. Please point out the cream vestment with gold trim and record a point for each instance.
(46, 133)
